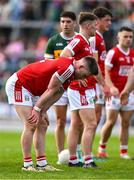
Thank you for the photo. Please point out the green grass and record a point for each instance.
(113, 168)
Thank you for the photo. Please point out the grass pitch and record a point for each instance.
(112, 168)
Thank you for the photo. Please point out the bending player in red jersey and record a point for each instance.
(32, 90)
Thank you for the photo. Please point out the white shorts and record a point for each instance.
(19, 95)
(63, 100)
(81, 101)
(114, 103)
(99, 94)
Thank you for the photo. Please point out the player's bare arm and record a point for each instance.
(128, 88)
(50, 96)
(130, 81)
(54, 91)
(104, 85)
(66, 53)
(114, 91)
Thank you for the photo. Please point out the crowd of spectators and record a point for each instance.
(26, 25)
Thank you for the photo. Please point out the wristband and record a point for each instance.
(37, 109)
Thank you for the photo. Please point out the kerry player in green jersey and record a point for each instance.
(54, 47)
(57, 42)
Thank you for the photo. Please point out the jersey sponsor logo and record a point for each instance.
(128, 59)
(124, 70)
(59, 44)
(87, 49)
(121, 59)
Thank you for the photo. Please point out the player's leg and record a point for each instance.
(98, 111)
(112, 110)
(98, 107)
(73, 136)
(60, 112)
(88, 118)
(99, 103)
(80, 101)
(60, 108)
(124, 133)
(106, 131)
(22, 100)
(39, 140)
(27, 135)
(39, 145)
(126, 114)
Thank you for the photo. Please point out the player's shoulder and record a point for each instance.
(114, 49)
(112, 52)
(78, 36)
(132, 50)
(55, 37)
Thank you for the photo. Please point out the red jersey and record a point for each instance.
(120, 64)
(98, 44)
(35, 77)
(80, 48)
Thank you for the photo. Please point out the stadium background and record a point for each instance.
(25, 27)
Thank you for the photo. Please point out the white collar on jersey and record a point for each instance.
(65, 37)
(126, 53)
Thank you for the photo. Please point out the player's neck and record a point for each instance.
(84, 33)
(68, 35)
(100, 31)
(124, 48)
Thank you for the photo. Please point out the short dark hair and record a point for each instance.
(86, 16)
(125, 28)
(101, 12)
(68, 14)
(92, 64)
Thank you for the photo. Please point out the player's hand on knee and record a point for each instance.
(44, 118)
(34, 118)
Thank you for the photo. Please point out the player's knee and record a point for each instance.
(30, 127)
(125, 124)
(110, 123)
(91, 126)
(61, 122)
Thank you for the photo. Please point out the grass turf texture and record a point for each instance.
(112, 168)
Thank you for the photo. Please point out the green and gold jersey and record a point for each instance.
(55, 45)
